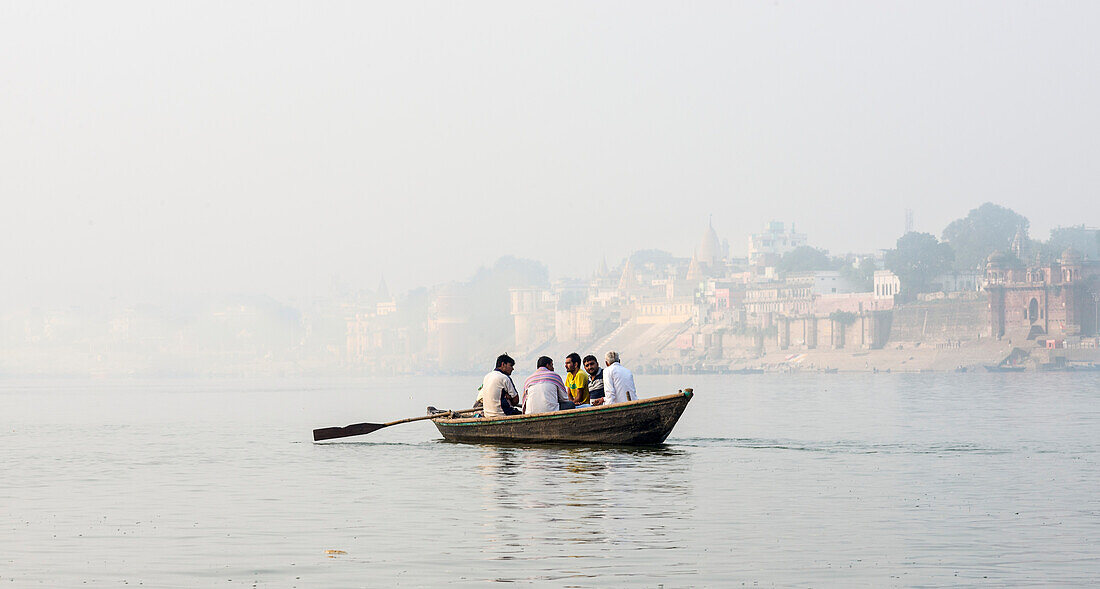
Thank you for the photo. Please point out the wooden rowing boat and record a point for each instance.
(645, 422)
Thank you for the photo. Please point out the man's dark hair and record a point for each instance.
(505, 359)
(592, 358)
(575, 357)
(544, 361)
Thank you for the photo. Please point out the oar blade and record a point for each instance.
(358, 429)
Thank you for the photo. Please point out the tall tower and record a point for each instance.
(525, 313)
(451, 325)
(908, 220)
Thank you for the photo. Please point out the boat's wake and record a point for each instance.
(839, 446)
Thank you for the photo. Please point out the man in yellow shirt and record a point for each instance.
(576, 381)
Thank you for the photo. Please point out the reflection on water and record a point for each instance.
(561, 506)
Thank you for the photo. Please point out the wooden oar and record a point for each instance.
(358, 429)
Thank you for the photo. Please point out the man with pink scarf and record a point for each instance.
(544, 391)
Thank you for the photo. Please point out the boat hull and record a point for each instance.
(646, 422)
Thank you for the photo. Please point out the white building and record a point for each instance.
(831, 282)
(767, 247)
(887, 284)
(958, 281)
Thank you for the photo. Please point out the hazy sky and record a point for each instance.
(149, 148)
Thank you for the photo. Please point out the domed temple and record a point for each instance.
(710, 249)
(1058, 299)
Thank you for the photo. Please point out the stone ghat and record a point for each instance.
(940, 321)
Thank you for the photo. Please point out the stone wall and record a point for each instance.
(865, 330)
(939, 321)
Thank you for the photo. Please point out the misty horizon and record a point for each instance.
(337, 284)
(157, 151)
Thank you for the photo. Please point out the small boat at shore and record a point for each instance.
(1004, 368)
(645, 422)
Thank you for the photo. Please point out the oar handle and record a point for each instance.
(433, 416)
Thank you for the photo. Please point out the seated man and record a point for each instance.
(576, 380)
(544, 390)
(595, 379)
(618, 382)
(498, 395)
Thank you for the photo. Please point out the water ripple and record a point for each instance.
(839, 447)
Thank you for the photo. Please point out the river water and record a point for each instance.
(768, 480)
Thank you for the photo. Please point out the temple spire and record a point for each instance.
(627, 280)
(1019, 243)
(694, 272)
(383, 291)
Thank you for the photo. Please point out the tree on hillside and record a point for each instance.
(805, 259)
(1085, 241)
(917, 259)
(511, 272)
(652, 259)
(861, 275)
(985, 229)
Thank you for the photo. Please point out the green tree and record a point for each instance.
(861, 275)
(917, 259)
(985, 229)
(843, 317)
(1085, 241)
(805, 259)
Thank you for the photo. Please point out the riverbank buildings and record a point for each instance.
(1056, 301)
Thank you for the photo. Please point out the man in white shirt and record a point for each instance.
(498, 394)
(618, 382)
